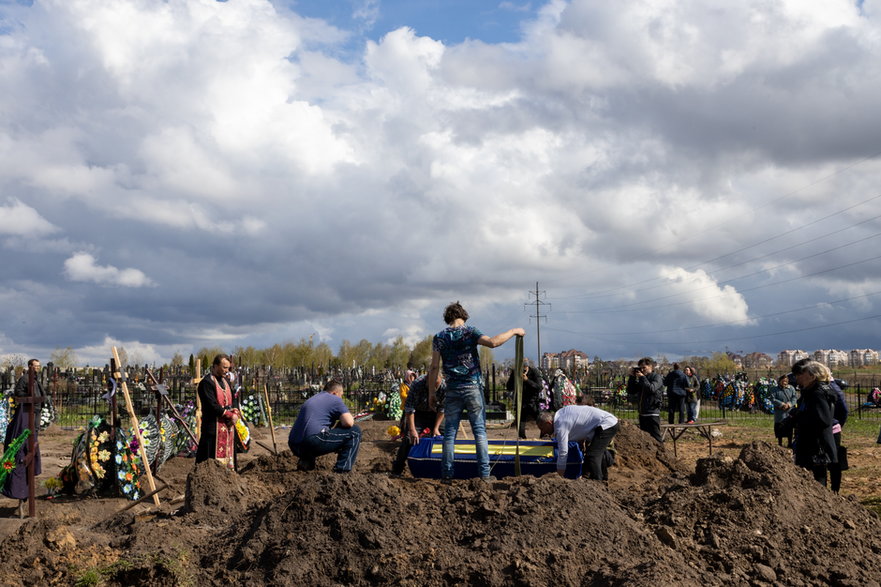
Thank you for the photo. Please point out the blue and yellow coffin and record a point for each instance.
(537, 458)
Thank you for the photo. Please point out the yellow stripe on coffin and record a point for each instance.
(469, 448)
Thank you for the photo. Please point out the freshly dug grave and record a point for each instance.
(751, 520)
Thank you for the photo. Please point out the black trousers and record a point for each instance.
(835, 468)
(593, 458)
(652, 425)
(675, 403)
(527, 414)
(422, 420)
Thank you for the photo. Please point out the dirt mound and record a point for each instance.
(751, 520)
(348, 529)
(760, 518)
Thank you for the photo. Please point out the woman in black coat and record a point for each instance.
(814, 444)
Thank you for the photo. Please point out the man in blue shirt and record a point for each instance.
(593, 426)
(455, 348)
(325, 425)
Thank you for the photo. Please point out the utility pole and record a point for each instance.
(538, 316)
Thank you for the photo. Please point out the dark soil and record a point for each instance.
(751, 520)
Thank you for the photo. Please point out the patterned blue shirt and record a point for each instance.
(460, 361)
(417, 396)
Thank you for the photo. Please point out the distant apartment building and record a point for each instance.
(861, 357)
(757, 361)
(831, 357)
(550, 361)
(567, 360)
(788, 357)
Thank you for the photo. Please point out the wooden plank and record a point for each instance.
(142, 450)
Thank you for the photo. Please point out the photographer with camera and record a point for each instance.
(647, 387)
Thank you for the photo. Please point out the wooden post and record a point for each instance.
(197, 378)
(142, 450)
(518, 396)
(171, 408)
(33, 445)
(269, 417)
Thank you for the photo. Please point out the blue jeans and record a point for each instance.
(343, 441)
(457, 400)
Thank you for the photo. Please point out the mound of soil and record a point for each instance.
(751, 520)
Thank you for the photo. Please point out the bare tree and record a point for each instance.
(65, 359)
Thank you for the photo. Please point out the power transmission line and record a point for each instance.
(538, 316)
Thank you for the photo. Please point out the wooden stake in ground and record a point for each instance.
(142, 450)
(160, 389)
(269, 417)
(518, 396)
(197, 378)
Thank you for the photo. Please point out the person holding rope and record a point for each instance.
(16, 485)
(219, 417)
(455, 348)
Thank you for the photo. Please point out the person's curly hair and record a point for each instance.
(455, 311)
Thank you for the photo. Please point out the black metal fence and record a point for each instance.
(76, 398)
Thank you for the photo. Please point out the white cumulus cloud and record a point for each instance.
(19, 219)
(82, 267)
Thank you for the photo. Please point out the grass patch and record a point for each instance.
(174, 567)
(872, 504)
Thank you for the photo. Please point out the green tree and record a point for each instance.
(207, 355)
(302, 354)
(246, 356)
(177, 360)
(323, 355)
(719, 364)
(486, 358)
(378, 358)
(399, 354)
(420, 356)
(274, 356)
(362, 352)
(346, 355)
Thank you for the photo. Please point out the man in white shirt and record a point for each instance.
(576, 423)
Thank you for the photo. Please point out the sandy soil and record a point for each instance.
(745, 516)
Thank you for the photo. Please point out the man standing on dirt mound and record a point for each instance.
(455, 347)
(648, 387)
(587, 424)
(325, 425)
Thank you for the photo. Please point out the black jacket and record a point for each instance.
(532, 387)
(650, 390)
(814, 443)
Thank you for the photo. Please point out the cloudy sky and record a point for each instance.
(678, 176)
